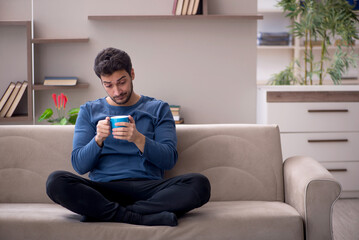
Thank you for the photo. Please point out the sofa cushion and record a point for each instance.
(216, 220)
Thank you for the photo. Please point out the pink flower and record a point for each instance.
(59, 101)
(54, 97)
(65, 101)
(62, 99)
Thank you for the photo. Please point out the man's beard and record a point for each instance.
(126, 99)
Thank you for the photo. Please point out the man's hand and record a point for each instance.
(103, 129)
(129, 132)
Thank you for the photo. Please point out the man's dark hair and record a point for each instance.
(111, 60)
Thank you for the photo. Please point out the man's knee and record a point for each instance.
(55, 181)
(201, 186)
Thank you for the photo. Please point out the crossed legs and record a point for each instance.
(136, 201)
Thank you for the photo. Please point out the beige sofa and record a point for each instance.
(254, 195)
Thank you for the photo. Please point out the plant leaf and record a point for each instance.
(46, 114)
(72, 119)
(73, 111)
(63, 121)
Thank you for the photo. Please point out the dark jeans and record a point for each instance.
(101, 200)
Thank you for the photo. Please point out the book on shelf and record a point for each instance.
(180, 121)
(349, 78)
(314, 43)
(273, 38)
(17, 99)
(6, 94)
(272, 43)
(175, 110)
(341, 42)
(60, 81)
(187, 7)
(274, 35)
(190, 7)
(197, 7)
(174, 8)
(10, 100)
(177, 5)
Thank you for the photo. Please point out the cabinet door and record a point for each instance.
(324, 147)
(314, 117)
(347, 173)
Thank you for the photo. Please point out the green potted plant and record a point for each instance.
(285, 77)
(60, 102)
(332, 23)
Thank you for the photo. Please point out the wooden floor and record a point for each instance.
(346, 219)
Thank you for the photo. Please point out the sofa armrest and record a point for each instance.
(312, 191)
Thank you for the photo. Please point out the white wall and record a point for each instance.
(208, 66)
(15, 10)
(13, 65)
(13, 42)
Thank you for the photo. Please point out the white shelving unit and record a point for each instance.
(273, 59)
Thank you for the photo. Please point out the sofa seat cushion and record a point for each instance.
(216, 220)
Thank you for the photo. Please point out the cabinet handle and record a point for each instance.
(327, 140)
(337, 170)
(327, 110)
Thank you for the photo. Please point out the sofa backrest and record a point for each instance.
(28, 154)
(242, 162)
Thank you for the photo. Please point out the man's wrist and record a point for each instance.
(140, 142)
(99, 141)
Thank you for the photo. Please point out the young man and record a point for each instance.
(125, 164)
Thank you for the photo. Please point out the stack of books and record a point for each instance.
(11, 98)
(60, 81)
(187, 7)
(273, 38)
(175, 109)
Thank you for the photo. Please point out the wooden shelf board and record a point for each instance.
(275, 47)
(16, 118)
(14, 23)
(129, 17)
(328, 47)
(41, 87)
(59, 40)
(315, 96)
(270, 10)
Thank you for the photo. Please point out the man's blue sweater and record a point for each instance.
(120, 159)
